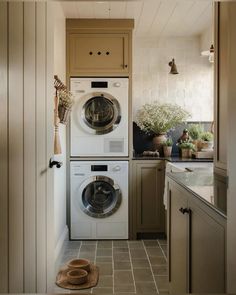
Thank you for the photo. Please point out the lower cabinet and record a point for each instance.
(196, 248)
(147, 204)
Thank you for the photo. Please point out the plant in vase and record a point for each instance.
(167, 147)
(186, 149)
(195, 132)
(157, 119)
(207, 140)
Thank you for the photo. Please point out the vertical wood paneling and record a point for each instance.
(50, 145)
(3, 150)
(16, 234)
(29, 149)
(41, 145)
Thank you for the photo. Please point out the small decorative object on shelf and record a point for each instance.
(157, 119)
(195, 132)
(207, 140)
(167, 147)
(184, 137)
(186, 148)
(151, 153)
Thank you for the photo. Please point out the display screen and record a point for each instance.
(99, 168)
(99, 84)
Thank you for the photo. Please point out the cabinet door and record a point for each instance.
(221, 85)
(94, 53)
(149, 197)
(177, 240)
(207, 261)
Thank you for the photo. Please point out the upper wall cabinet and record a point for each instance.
(99, 47)
(98, 53)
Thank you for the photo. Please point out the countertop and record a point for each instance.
(205, 185)
(171, 159)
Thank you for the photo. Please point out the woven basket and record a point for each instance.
(63, 114)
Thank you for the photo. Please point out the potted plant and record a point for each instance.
(195, 132)
(186, 149)
(207, 140)
(156, 119)
(167, 147)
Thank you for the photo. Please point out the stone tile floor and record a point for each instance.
(125, 267)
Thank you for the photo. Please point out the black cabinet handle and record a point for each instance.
(55, 163)
(184, 210)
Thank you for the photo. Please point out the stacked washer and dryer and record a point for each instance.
(99, 129)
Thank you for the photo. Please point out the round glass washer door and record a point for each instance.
(101, 113)
(99, 196)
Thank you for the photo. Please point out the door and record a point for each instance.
(178, 240)
(149, 197)
(26, 210)
(207, 258)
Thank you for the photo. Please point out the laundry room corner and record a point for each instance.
(60, 226)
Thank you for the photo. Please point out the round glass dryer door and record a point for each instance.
(99, 196)
(101, 113)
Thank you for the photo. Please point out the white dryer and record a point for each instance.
(99, 200)
(99, 119)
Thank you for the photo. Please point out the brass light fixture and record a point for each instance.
(173, 69)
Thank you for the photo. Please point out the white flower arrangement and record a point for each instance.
(159, 118)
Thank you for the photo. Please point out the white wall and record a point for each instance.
(192, 88)
(206, 39)
(60, 174)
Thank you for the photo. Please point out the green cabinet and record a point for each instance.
(196, 244)
(147, 197)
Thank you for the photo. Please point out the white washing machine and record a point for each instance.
(99, 200)
(99, 119)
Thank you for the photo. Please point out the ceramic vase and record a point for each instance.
(167, 151)
(158, 141)
(207, 145)
(186, 153)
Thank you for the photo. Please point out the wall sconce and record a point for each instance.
(173, 69)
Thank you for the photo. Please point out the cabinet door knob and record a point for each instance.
(126, 66)
(184, 210)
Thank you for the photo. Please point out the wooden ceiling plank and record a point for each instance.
(117, 9)
(149, 12)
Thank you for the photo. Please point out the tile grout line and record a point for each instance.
(132, 270)
(113, 268)
(79, 249)
(95, 260)
(150, 267)
(163, 252)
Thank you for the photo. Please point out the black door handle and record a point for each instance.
(55, 163)
(184, 210)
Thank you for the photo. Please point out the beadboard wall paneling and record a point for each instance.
(60, 174)
(192, 88)
(16, 149)
(41, 134)
(29, 148)
(3, 150)
(50, 231)
(26, 117)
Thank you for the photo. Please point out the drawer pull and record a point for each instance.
(184, 210)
